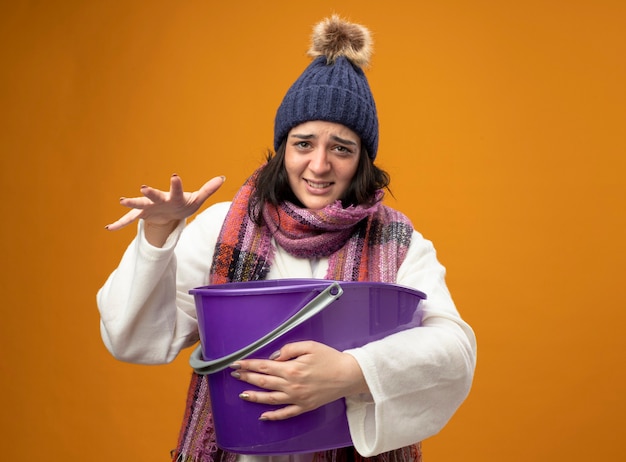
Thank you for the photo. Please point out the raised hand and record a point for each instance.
(162, 209)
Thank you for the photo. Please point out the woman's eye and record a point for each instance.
(302, 144)
(343, 150)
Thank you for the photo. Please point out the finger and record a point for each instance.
(210, 187)
(283, 413)
(125, 220)
(244, 367)
(155, 195)
(293, 350)
(261, 374)
(136, 202)
(273, 398)
(176, 187)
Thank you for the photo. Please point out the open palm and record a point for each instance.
(161, 208)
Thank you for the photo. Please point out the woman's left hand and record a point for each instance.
(302, 376)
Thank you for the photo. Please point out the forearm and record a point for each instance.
(417, 380)
(419, 377)
(147, 313)
(140, 321)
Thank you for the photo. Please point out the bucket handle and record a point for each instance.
(321, 301)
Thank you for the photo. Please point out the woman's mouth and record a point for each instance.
(318, 185)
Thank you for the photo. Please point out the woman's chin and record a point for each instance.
(316, 203)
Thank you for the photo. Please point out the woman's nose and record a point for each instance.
(319, 161)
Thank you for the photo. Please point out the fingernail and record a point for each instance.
(174, 174)
(235, 366)
(223, 178)
(106, 227)
(275, 355)
(244, 396)
(235, 374)
(144, 186)
(263, 418)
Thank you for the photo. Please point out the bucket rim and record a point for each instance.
(270, 286)
(261, 287)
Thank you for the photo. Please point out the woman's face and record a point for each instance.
(321, 159)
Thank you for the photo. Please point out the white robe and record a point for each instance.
(417, 378)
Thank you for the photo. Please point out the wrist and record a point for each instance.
(157, 233)
(357, 378)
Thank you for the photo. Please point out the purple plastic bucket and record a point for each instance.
(232, 316)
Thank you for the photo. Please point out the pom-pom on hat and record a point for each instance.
(333, 87)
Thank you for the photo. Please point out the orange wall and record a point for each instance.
(502, 124)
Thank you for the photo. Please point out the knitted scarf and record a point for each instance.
(363, 243)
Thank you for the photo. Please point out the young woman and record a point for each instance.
(314, 210)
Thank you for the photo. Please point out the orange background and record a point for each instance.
(502, 125)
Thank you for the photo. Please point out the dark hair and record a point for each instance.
(272, 183)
